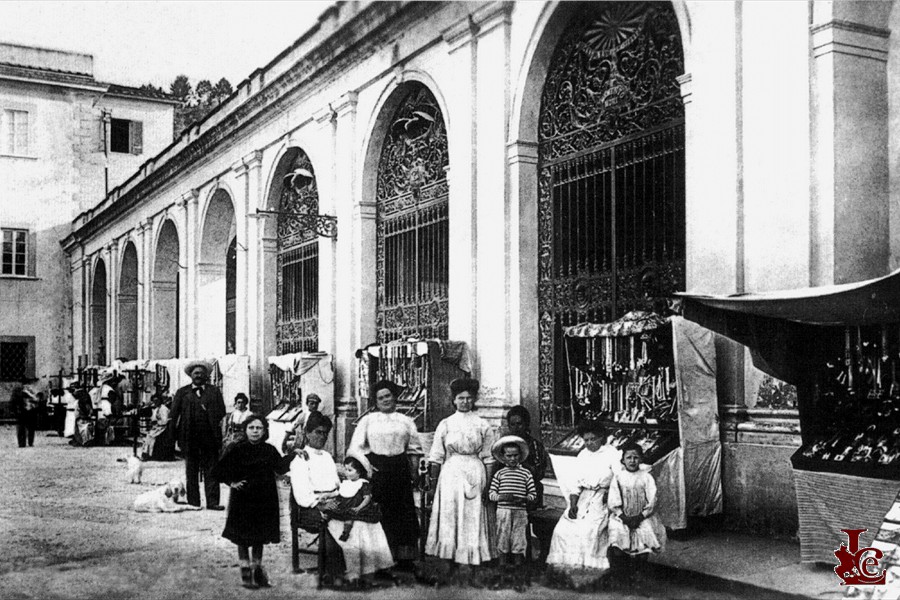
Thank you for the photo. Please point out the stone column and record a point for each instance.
(492, 235)
(188, 204)
(242, 284)
(461, 39)
(850, 197)
(522, 162)
(112, 301)
(351, 299)
(251, 300)
(144, 288)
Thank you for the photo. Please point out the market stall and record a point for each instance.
(423, 368)
(650, 380)
(293, 378)
(840, 346)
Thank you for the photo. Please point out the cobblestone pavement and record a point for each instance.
(67, 531)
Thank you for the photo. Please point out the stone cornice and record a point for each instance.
(369, 30)
(191, 196)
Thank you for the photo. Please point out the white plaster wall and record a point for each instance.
(775, 134)
(158, 133)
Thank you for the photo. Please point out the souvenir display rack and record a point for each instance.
(420, 368)
(850, 412)
(622, 374)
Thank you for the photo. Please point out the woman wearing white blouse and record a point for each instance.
(387, 439)
(460, 454)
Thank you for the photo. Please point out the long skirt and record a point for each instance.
(310, 520)
(584, 540)
(459, 519)
(365, 551)
(649, 536)
(392, 489)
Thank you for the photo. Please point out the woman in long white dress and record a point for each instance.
(580, 539)
(461, 452)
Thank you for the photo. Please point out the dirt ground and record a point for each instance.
(67, 531)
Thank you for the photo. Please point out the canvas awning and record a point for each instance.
(862, 303)
(781, 328)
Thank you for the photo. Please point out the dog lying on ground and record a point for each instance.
(135, 469)
(163, 499)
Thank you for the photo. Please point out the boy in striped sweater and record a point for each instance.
(511, 488)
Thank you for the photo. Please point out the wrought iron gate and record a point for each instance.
(412, 222)
(298, 266)
(611, 182)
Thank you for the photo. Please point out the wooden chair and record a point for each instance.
(296, 550)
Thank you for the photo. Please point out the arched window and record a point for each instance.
(298, 261)
(611, 182)
(412, 221)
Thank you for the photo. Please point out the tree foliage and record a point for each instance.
(197, 101)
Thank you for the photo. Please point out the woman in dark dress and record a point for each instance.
(253, 514)
(389, 441)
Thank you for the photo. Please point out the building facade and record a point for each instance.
(65, 140)
(498, 170)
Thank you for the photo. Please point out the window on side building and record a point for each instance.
(17, 258)
(126, 137)
(14, 132)
(16, 358)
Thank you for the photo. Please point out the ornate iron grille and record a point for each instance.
(412, 222)
(13, 361)
(298, 267)
(611, 182)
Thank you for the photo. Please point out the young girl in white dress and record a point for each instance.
(634, 528)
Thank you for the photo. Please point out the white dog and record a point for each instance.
(163, 499)
(135, 469)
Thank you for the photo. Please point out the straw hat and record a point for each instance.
(497, 447)
(197, 363)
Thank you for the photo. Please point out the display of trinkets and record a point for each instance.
(622, 374)
(857, 404)
(624, 379)
(417, 368)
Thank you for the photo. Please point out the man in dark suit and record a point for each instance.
(197, 410)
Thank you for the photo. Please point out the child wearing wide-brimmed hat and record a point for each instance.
(512, 487)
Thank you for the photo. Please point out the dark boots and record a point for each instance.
(248, 578)
(260, 576)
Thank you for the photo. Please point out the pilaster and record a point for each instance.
(357, 328)
(188, 203)
(850, 201)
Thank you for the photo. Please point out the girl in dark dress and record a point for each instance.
(253, 514)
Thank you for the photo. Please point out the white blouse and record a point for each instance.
(462, 433)
(314, 477)
(595, 468)
(387, 434)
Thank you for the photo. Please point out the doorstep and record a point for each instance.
(765, 563)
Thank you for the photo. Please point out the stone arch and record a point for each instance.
(524, 163)
(99, 303)
(215, 302)
(291, 320)
(426, 190)
(127, 310)
(165, 284)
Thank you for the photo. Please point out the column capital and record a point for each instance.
(522, 151)
(852, 39)
(253, 160)
(687, 87)
(346, 104)
(460, 33)
(189, 197)
(325, 115)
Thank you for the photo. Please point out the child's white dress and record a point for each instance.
(366, 550)
(630, 494)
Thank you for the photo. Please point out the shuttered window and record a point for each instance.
(126, 137)
(17, 255)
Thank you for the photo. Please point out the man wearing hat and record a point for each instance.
(197, 410)
(512, 487)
